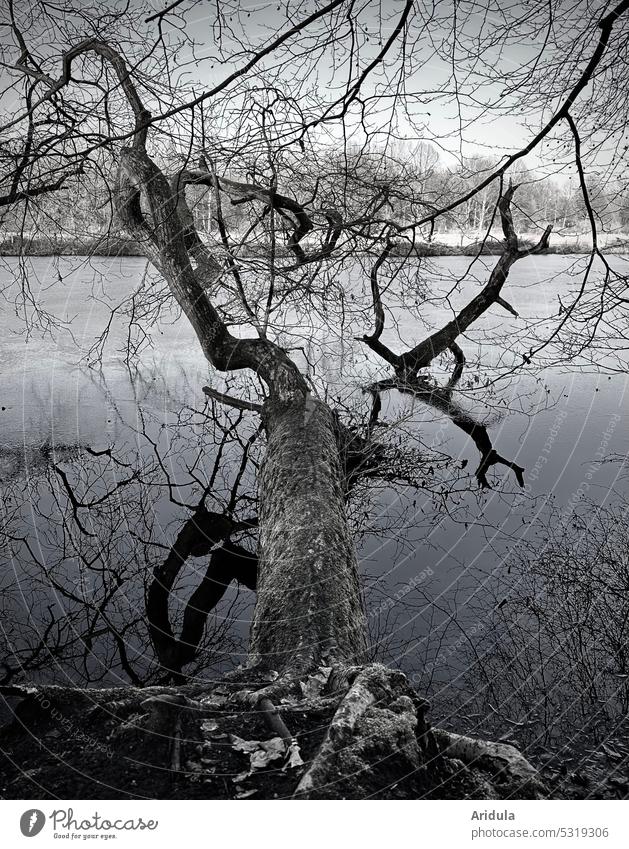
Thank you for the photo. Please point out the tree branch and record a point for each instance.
(422, 354)
(32, 192)
(407, 364)
(238, 403)
(605, 25)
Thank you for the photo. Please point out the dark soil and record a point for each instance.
(96, 758)
(71, 752)
(102, 756)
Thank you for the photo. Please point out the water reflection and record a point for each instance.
(432, 546)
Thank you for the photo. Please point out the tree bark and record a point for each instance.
(309, 608)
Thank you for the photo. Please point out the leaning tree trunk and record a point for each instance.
(308, 597)
(309, 607)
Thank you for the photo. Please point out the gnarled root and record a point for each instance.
(372, 740)
(379, 743)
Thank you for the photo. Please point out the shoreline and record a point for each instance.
(118, 247)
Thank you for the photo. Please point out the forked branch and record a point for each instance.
(406, 365)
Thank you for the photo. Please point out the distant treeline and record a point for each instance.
(113, 246)
(369, 186)
(66, 246)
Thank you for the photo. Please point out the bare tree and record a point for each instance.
(119, 102)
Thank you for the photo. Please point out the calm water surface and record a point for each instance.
(50, 396)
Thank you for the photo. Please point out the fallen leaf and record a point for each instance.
(261, 752)
(269, 751)
(293, 756)
(241, 745)
(314, 684)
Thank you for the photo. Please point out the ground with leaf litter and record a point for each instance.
(177, 744)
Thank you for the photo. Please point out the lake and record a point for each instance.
(422, 569)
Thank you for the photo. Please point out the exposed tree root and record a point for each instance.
(371, 686)
(352, 732)
(379, 739)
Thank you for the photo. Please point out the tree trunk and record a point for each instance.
(309, 608)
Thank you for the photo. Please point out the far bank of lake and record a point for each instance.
(442, 244)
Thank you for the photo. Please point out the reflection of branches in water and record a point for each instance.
(146, 509)
(36, 654)
(112, 562)
(100, 526)
(144, 308)
(20, 293)
(205, 533)
(123, 538)
(440, 398)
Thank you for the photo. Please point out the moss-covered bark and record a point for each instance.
(309, 605)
